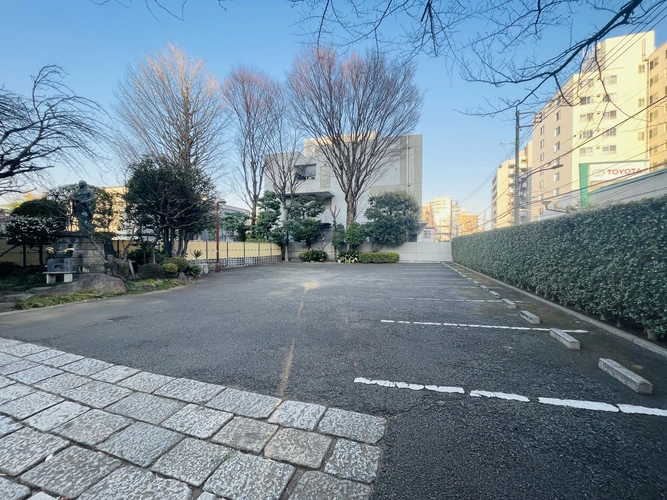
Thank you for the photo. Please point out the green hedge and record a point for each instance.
(313, 256)
(378, 257)
(610, 262)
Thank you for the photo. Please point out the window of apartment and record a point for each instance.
(542, 157)
(542, 143)
(556, 191)
(541, 170)
(641, 102)
(653, 63)
(557, 146)
(610, 80)
(653, 115)
(642, 68)
(664, 127)
(586, 134)
(542, 130)
(641, 136)
(557, 116)
(585, 151)
(557, 131)
(653, 98)
(609, 150)
(588, 83)
(306, 171)
(585, 100)
(652, 133)
(541, 184)
(611, 97)
(610, 132)
(653, 80)
(540, 197)
(609, 115)
(585, 117)
(556, 176)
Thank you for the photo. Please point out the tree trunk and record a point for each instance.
(41, 257)
(25, 258)
(351, 215)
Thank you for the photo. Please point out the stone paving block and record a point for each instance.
(42, 496)
(296, 414)
(7, 343)
(62, 383)
(8, 425)
(191, 391)
(5, 359)
(9, 490)
(71, 472)
(132, 483)
(145, 381)
(298, 447)
(315, 484)
(86, 366)
(55, 416)
(209, 496)
(197, 421)
(248, 477)
(21, 350)
(14, 391)
(247, 404)
(245, 434)
(17, 366)
(24, 448)
(97, 394)
(352, 460)
(29, 405)
(192, 461)
(352, 425)
(92, 427)
(141, 443)
(42, 355)
(62, 360)
(4, 382)
(146, 407)
(114, 374)
(34, 375)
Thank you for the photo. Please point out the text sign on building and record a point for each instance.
(600, 172)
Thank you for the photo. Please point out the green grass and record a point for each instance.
(134, 287)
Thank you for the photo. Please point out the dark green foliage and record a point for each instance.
(313, 256)
(151, 271)
(267, 227)
(36, 222)
(338, 237)
(354, 235)
(378, 257)
(8, 269)
(180, 262)
(611, 261)
(302, 223)
(143, 256)
(236, 224)
(170, 269)
(348, 257)
(393, 218)
(193, 270)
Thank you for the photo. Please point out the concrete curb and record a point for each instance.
(661, 351)
(626, 377)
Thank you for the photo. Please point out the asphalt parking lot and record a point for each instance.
(414, 343)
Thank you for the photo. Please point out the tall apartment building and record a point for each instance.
(442, 213)
(657, 99)
(594, 132)
(502, 190)
(402, 172)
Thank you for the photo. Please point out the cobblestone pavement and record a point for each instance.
(77, 427)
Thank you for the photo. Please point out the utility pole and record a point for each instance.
(517, 163)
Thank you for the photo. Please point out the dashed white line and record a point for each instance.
(499, 395)
(447, 300)
(574, 403)
(642, 410)
(466, 325)
(413, 387)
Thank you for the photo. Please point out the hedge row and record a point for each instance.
(378, 257)
(610, 262)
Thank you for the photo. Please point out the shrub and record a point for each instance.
(8, 269)
(378, 257)
(354, 234)
(137, 256)
(181, 263)
(313, 256)
(193, 271)
(151, 271)
(609, 262)
(170, 269)
(348, 257)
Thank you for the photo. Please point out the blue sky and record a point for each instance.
(96, 43)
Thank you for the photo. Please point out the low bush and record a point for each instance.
(151, 271)
(313, 256)
(8, 269)
(192, 271)
(180, 262)
(378, 257)
(348, 257)
(170, 269)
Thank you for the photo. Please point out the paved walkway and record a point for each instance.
(82, 428)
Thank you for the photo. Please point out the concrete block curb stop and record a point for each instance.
(510, 304)
(569, 341)
(627, 377)
(493, 294)
(484, 288)
(530, 317)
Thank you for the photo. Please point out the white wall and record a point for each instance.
(409, 252)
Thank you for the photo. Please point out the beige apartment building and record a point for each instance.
(657, 98)
(594, 132)
(442, 214)
(502, 190)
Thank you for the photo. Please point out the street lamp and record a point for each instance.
(519, 185)
(217, 234)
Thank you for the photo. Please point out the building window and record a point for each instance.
(653, 133)
(557, 131)
(652, 98)
(653, 115)
(542, 130)
(557, 146)
(611, 97)
(642, 68)
(641, 102)
(585, 100)
(610, 132)
(541, 184)
(653, 80)
(653, 64)
(586, 134)
(609, 150)
(542, 143)
(586, 117)
(610, 80)
(556, 176)
(609, 115)
(556, 192)
(542, 157)
(641, 136)
(585, 151)
(586, 83)
(557, 116)
(540, 197)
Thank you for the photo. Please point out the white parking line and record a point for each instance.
(446, 300)
(571, 403)
(465, 325)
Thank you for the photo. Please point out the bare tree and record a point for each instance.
(490, 41)
(251, 96)
(51, 125)
(171, 106)
(355, 109)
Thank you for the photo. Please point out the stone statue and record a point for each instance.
(82, 202)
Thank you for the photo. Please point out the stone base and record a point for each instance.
(87, 256)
